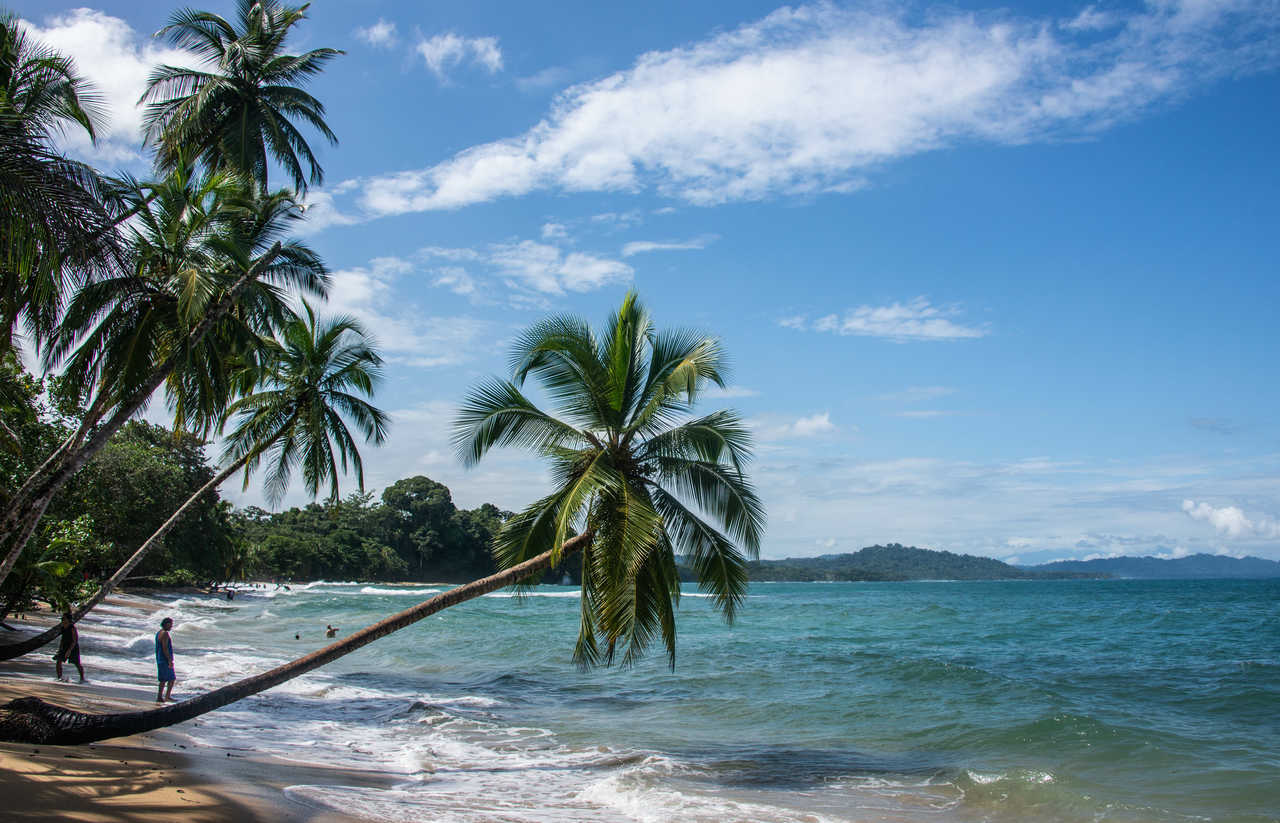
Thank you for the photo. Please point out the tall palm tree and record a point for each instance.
(299, 392)
(241, 111)
(624, 399)
(632, 467)
(56, 223)
(211, 270)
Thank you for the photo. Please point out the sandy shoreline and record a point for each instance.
(157, 776)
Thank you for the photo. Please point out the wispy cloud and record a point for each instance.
(642, 246)
(530, 266)
(445, 52)
(1091, 19)
(1231, 520)
(381, 35)
(770, 430)
(814, 98)
(407, 335)
(898, 322)
(548, 78)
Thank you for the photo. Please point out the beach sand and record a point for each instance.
(158, 776)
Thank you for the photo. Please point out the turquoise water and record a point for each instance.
(1000, 701)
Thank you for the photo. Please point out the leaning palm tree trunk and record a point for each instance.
(29, 503)
(12, 650)
(32, 720)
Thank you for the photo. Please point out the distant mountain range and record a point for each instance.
(898, 562)
(1181, 568)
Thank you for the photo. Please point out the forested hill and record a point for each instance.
(1155, 568)
(898, 562)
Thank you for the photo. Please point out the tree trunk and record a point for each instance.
(12, 650)
(32, 720)
(28, 505)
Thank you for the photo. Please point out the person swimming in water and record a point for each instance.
(330, 631)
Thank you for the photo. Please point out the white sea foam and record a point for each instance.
(575, 593)
(376, 590)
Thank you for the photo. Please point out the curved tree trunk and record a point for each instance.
(32, 720)
(12, 650)
(28, 505)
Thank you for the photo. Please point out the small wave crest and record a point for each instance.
(378, 590)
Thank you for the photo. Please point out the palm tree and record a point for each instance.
(624, 399)
(300, 390)
(631, 467)
(211, 269)
(56, 224)
(240, 111)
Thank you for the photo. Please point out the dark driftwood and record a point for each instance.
(32, 720)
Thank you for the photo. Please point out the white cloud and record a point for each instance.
(117, 61)
(898, 322)
(542, 80)
(1091, 19)
(529, 267)
(554, 231)
(767, 431)
(322, 212)
(643, 246)
(619, 220)
(444, 52)
(813, 98)
(814, 424)
(406, 334)
(1231, 520)
(381, 34)
(544, 268)
(456, 280)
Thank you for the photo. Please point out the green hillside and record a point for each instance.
(898, 562)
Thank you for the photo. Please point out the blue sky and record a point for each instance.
(994, 279)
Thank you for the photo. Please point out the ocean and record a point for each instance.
(931, 701)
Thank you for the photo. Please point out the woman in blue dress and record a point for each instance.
(164, 661)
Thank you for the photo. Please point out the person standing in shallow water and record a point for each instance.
(164, 661)
(69, 647)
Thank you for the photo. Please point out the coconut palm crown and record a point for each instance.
(192, 238)
(632, 468)
(300, 393)
(242, 109)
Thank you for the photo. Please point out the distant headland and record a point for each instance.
(896, 562)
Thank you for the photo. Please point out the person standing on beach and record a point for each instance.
(69, 647)
(164, 661)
